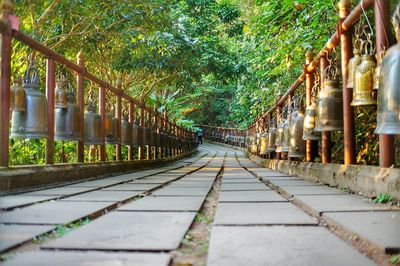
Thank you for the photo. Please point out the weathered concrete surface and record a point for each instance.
(369, 180)
(131, 187)
(244, 187)
(92, 258)
(14, 201)
(104, 196)
(250, 196)
(379, 227)
(160, 203)
(278, 245)
(54, 212)
(129, 231)
(261, 214)
(58, 191)
(12, 235)
(310, 190)
(317, 204)
(23, 177)
(182, 191)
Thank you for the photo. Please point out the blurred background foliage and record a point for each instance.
(216, 62)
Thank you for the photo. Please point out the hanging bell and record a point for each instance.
(279, 136)
(254, 144)
(329, 107)
(352, 66)
(263, 143)
(60, 95)
(388, 116)
(137, 134)
(67, 121)
(31, 123)
(109, 126)
(92, 129)
(147, 136)
(286, 136)
(114, 137)
(155, 137)
(309, 123)
(126, 131)
(271, 139)
(297, 144)
(364, 82)
(377, 73)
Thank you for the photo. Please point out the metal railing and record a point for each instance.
(167, 138)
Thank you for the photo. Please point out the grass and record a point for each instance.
(395, 259)
(383, 198)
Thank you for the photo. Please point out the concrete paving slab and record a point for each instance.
(131, 187)
(244, 187)
(240, 180)
(14, 235)
(54, 212)
(282, 213)
(281, 178)
(285, 183)
(92, 258)
(148, 181)
(132, 231)
(104, 196)
(18, 200)
(380, 227)
(280, 245)
(96, 183)
(336, 203)
(311, 190)
(176, 191)
(250, 196)
(160, 203)
(58, 191)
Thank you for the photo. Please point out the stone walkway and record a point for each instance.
(262, 218)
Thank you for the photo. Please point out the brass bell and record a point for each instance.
(92, 129)
(309, 123)
(155, 137)
(126, 131)
(137, 134)
(147, 136)
(67, 121)
(60, 96)
(364, 81)
(17, 102)
(271, 139)
(286, 136)
(352, 66)
(254, 144)
(263, 143)
(114, 137)
(329, 107)
(379, 59)
(297, 144)
(109, 125)
(31, 123)
(388, 116)
(279, 136)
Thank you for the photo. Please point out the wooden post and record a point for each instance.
(119, 117)
(311, 145)
(132, 121)
(348, 112)
(326, 135)
(149, 126)
(80, 81)
(142, 125)
(102, 108)
(5, 73)
(50, 89)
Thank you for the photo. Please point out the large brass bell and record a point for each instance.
(352, 66)
(286, 136)
(388, 116)
(67, 118)
(17, 102)
(126, 131)
(330, 107)
(279, 136)
(114, 137)
(254, 144)
(137, 134)
(92, 129)
(309, 123)
(364, 80)
(155, 137)
(271, 139)
(31, 123)
(263, 143)
(297, 144)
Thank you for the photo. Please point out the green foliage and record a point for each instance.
(395, 259)
(383, 198)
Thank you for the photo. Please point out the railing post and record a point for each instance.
(278, 120)
(326, 156)
(382, 28)
(348, 112)
(156, 144)
(102, 108)
(50, 87)
(5, 54)
(141, 145)
(118, 147)
(148, 150)
(132, 121)
(80, 81)
(311, 145)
